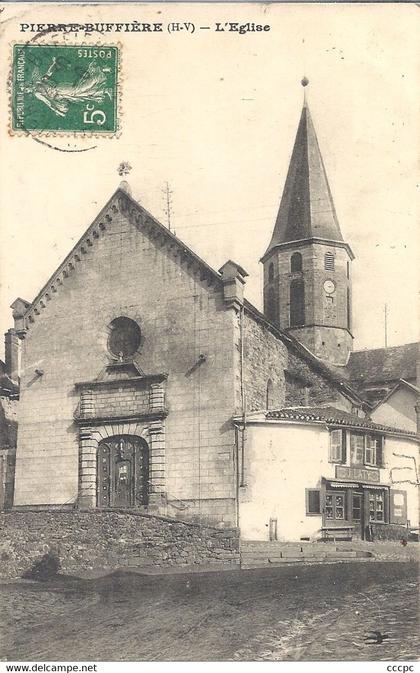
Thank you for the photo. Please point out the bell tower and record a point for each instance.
(307, 265)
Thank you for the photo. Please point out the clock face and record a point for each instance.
(329, 286)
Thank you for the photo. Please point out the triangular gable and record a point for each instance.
(122, 202)
(400, 384)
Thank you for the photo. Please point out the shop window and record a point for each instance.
(376, 506)
(334, 506)
(337, 453)
(296, 262)
(313, 501)
(297, 303)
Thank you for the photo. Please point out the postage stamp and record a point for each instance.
(63, 88)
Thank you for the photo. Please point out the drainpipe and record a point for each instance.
(243, 400)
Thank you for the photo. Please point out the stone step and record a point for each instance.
(281, 551)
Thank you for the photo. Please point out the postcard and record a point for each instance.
(210, 387)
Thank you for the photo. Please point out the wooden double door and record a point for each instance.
(122, 472)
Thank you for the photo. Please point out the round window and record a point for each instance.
(124, 339)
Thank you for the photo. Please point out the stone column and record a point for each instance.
(87, 468)
(157, 495)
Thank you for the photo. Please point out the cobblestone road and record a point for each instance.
(291, 613)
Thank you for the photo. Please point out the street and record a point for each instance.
(293, 613)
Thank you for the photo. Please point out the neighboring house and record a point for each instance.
(314, 472)
(9, 397)
(375, 372)
(398, 407)
(136, 357)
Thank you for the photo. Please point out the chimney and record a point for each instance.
(12, 346)
(233, 278)
(12, 354)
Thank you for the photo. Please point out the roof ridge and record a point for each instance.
(384, 348)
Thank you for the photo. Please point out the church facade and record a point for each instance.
(145, 374)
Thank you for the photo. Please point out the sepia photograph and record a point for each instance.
(209, 295)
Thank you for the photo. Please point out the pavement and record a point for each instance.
(292, 613)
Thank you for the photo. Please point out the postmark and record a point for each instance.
(65, 89)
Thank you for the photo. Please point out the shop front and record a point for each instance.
(356, 500)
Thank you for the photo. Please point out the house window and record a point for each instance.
(124, 337)
(357, 449)
(376, 506)
(329, 261)
(334, 506)
(337, 453)
(373, 450)
(296, 262)
(366, 450)
(313, 501)
(271, 272)
(297, 303)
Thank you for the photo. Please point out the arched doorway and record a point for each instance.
(123, 472)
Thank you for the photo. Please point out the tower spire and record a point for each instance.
(306, 209)
(304, 81)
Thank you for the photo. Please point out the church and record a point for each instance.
(147, 381)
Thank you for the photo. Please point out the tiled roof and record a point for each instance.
(330, 415)
(381, 365)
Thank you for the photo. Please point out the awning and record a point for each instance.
(369, 487)
(344, 484)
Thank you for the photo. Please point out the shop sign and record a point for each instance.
(357, 473)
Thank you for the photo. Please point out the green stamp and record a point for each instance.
(65, 88)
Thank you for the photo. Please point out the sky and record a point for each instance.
(215, 116)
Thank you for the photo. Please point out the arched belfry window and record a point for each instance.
(271, 272)
(296, 262)
(124, 337)
(271, 306)
(329, 261)
(297, 302)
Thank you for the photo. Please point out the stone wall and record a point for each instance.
(307, 387)
(103, 539)
(265, 358)
(294, 382)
